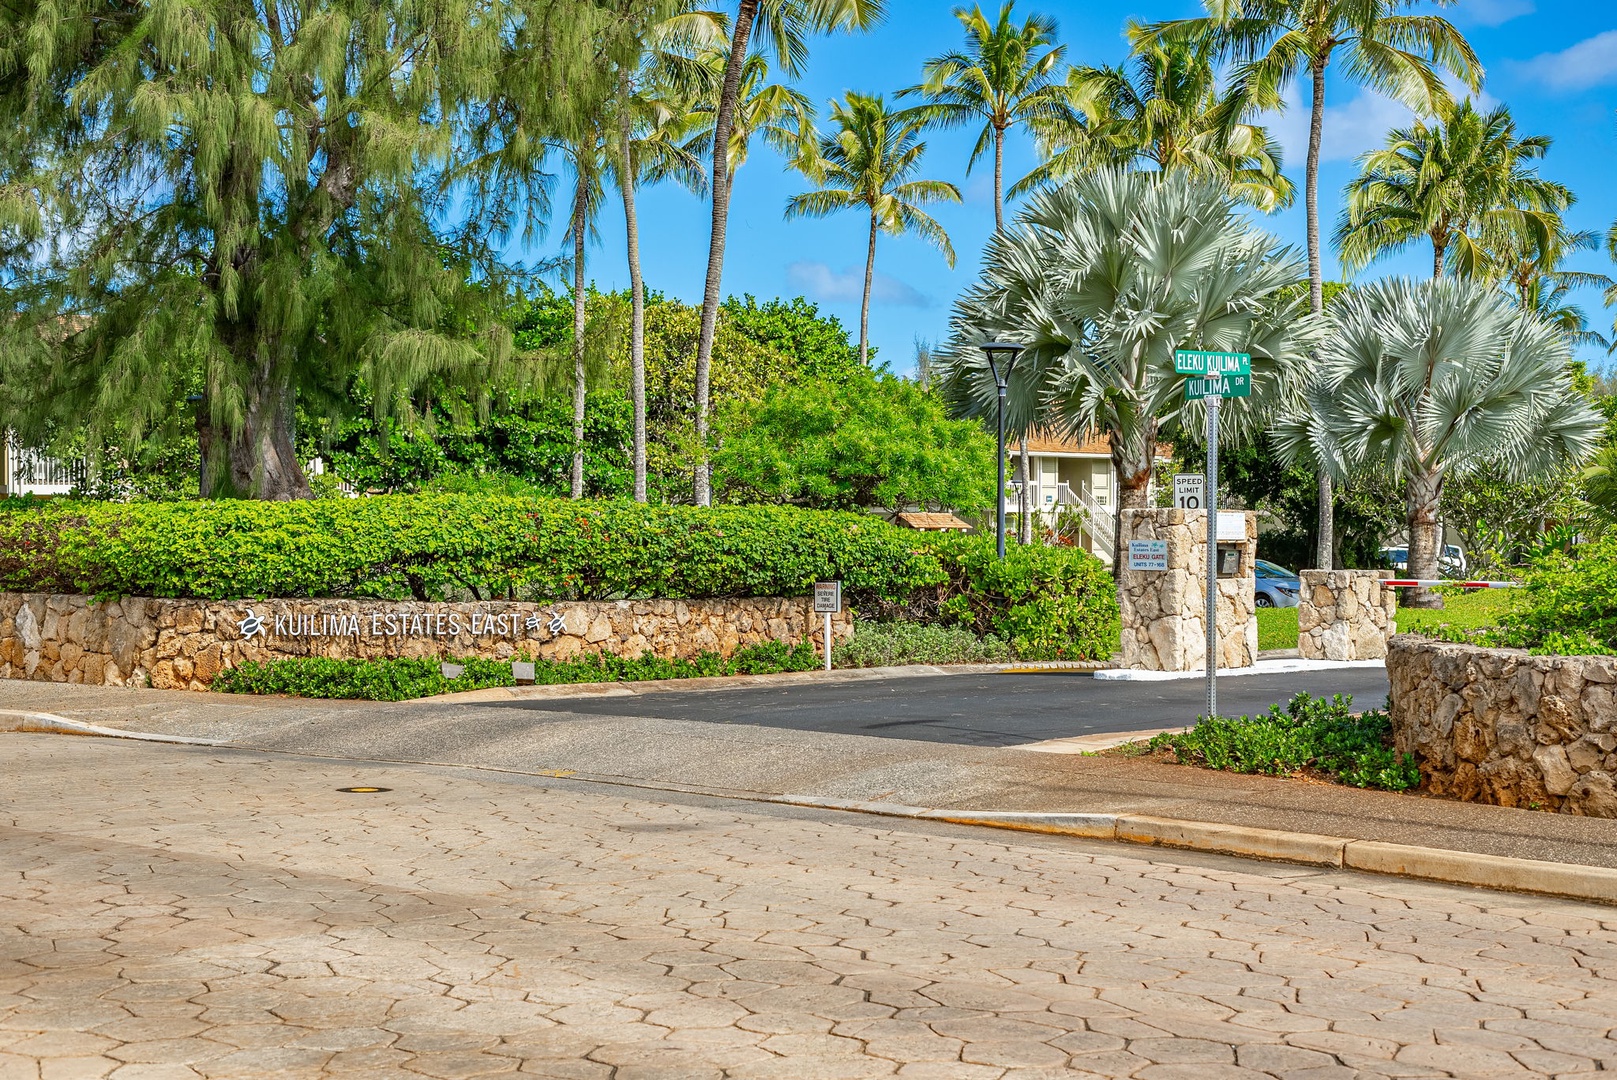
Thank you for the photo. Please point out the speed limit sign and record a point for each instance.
(1189, 491)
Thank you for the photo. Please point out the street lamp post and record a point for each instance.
(1001, 356)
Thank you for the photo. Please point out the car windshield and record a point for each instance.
(1275, 570)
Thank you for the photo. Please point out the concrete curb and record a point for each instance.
(715, 682)
(1570, 880)
(51, 724)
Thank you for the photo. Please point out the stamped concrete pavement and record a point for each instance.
(170, 912)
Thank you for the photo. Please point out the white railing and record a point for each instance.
(1099, 521)
(29, 472)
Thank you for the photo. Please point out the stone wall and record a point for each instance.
(1345, 614)
(183, 644)
(1164, 611)
(1500, 726)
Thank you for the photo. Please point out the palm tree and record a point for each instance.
(1165, 107)
(1274, 41)
(775, 112)
(1458, 183)
(588, 154)
(784, 26)
(655, 126)
(1436, 378)
(1529, 265)
(1004, 77)
(867, 164)
(1101, 280)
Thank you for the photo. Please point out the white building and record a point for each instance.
(1072, 487)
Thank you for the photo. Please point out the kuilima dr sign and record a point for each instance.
(1214, 376)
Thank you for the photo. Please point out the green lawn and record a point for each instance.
(1277, 628)
(1463, 610)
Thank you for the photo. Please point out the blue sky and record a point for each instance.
(1554, 62)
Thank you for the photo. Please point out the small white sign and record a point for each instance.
(1148, 554)
(1232, 524)
(1189, 490)
(827, 597)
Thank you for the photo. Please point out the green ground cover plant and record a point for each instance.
(1310, 736)
(401, 679)
(1277, 628)
(884, 644)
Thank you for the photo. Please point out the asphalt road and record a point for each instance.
(979, 710)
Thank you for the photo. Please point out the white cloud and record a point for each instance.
(1588, 63)
(1492, 12)
(1350, 129)
(819, 282)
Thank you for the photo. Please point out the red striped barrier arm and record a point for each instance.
(1430, 583)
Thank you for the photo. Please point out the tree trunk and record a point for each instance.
(259, 460)
(722, 123)
(1438, 249)
(1132, 461)
(999, 179)
(1024, 499)
(580, 205)
(1422, 495)
(1324, 552)
(637, 287)
(864, 304)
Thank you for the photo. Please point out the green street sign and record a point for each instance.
(1222, 386)
(1196, 362)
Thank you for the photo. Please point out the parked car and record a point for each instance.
(1451, 563)
(1275, 586)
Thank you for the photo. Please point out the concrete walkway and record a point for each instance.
(750, 761)
(177, 913)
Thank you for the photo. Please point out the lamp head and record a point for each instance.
(1001, 357)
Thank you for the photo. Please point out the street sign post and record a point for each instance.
(1189, 490)
(1217, 375)
(827, 602)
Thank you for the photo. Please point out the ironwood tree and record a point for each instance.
(248, 203)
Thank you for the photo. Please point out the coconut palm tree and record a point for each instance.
(775, 112)
(867, 164)
(1005, 76)
(1274, 42)
(655, 140)
(1163, 106)
(1430, 379)
(784, 27)
(1102, 279)
(1530, 264)
(1457, 183)
(588, 154)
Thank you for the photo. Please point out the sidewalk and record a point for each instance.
(858, 772)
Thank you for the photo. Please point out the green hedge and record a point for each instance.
(434, 546)
(1044, 602)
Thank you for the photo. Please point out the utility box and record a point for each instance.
(1162, 589)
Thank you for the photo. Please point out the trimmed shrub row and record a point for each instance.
(1043, 602)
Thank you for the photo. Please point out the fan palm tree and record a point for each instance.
(1002, 78)
(784, 27)
(1164, 106)
(867, 164)
(1274, 42)
(1431, 379)
(655, 141)
(1102, 279)
(1458, 183)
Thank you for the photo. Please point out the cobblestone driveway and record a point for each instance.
(171, 912)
